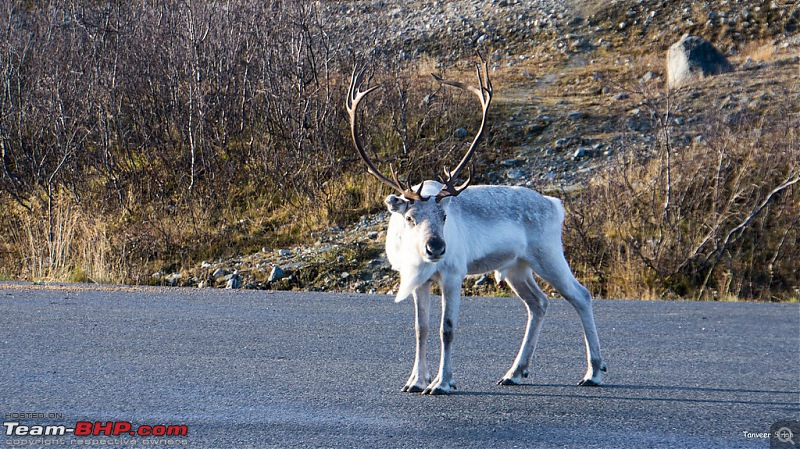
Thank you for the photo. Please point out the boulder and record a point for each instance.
(694, 57)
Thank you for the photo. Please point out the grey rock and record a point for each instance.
(276, 274)
(749, 64)
(284, 252)
(649, 76)
(235, 282)
(563, 142)
(576, 115)
(514, 173)
(172, 279)
(219, 272)
(536, 128)
(581, 153)
(460, 133)
(694, 57)
(515, 162)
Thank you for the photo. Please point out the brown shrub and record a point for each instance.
(717, 218)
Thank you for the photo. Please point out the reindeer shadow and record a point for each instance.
(666, 393)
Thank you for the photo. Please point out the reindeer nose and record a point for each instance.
(435, 248)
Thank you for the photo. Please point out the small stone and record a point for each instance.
(276, 274)
(563, 142)
(284, 252)
(206, 265)
(514, 173)
(515, 162)
(172, 279)
(749, 64)
(576, 115)
(649, 76)
(219, 272)
(582, 152)
(460, 133)
(344, 275)
(235, 282)
(536, 128)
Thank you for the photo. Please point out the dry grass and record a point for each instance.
(760, 51)
(715, 219)
(253, 188)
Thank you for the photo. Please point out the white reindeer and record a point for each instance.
(513, 231)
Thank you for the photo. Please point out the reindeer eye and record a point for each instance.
(410, 220)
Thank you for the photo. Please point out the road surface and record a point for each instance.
(242, 369)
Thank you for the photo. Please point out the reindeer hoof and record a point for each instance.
(507, 381)
(412, 389)
(438, 388)
(514, 376)
(436, 391)
(594, 377)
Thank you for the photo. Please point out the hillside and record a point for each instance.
(580, 106)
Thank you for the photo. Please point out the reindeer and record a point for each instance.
(467, 230)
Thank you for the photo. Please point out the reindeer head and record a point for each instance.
(420, 223)
(422, 219)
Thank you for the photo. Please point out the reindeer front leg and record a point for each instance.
(451, 301)
(420, 376)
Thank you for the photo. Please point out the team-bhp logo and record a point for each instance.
(97, 428)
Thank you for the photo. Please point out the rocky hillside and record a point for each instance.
(576, 86)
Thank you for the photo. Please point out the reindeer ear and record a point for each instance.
(396, 204)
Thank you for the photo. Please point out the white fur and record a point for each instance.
(512, 231)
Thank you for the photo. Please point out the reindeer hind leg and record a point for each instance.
(524, 285)
(558, 274)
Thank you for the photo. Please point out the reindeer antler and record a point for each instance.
(354, 96)
(484, 94)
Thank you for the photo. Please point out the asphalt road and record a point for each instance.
(273, 369)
